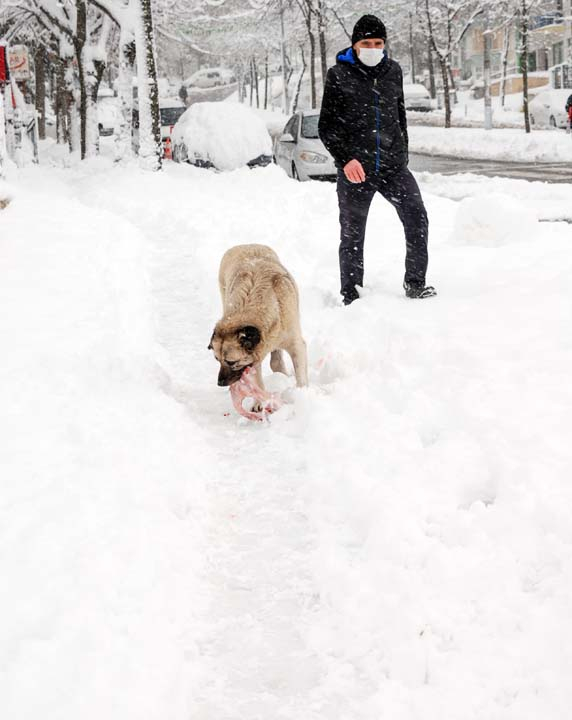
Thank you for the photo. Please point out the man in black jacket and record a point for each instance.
(363, 126)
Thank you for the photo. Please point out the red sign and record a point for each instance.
(4, 73)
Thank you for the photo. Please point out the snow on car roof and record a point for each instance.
(226, 133)
(415, 90)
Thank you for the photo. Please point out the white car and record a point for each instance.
(210, 77)
(300, 152)
(417, 97)
(221, 135)
(548, 108)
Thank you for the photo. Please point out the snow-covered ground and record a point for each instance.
(396, 543)
(495, 144)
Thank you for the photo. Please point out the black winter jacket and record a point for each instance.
(363, 114)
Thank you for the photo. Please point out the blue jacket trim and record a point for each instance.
(347, 56)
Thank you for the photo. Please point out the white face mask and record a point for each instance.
(371, 56)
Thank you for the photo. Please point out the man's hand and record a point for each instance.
(354, 171)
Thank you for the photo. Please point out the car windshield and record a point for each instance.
(169, 116)
(310, 126)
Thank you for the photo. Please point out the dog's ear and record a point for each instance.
(210, 347)
(249, 337)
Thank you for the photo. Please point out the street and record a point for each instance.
(543, 172)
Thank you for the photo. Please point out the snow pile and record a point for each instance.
(495, 219)
(101, 474)
(229, 135)
(549, 201)
(496, 144)
(395, 543)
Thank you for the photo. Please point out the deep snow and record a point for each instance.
(396, 543)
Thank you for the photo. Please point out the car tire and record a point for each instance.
(552, 121)
(295, 174)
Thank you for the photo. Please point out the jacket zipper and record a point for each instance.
(377, 126)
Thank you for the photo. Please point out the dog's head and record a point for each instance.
(235, 349)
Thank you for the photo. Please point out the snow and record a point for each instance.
(470, 111)
(394, 543)
(496, 144)
(494, 219)
(414, 90)
(229, 135)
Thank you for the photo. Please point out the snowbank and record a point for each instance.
(100, 472)
(491, 220)
(496, 144)
(228, 134)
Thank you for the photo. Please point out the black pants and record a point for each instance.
(402, 191)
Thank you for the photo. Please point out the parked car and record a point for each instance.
(221, 135)
(210, 77)
(299, 150)
(108, 116)
(548, 108)
(170, 110)
(417, 97)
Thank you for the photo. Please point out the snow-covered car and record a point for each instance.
(299, 150)
(108, 116)
(210, 77)
(549, 108)
(417, 97)
(170, 110)
(221, 135)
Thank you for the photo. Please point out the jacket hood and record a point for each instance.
(349, 56)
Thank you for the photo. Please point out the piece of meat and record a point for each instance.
(248, 387)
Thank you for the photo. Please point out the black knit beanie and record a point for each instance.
(368, 26)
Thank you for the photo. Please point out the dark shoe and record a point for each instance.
(350, 297)
(419, 291)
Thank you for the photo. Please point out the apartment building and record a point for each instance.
(549, 56)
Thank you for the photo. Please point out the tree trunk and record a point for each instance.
(255, 73)
(487, 37)
(91, 86)
(411, 49)
(40, 100)
(505, 49)
(266, 82)
(322, 41)
(251, 69)
(299, 83)
(432, 88)
(150, 150)
(446, 96)
(452, 83)
(79, 43)
(312, 38)
(524, 64)
(61, 104)
(125, 89)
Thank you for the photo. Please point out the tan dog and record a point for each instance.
(260, 316)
